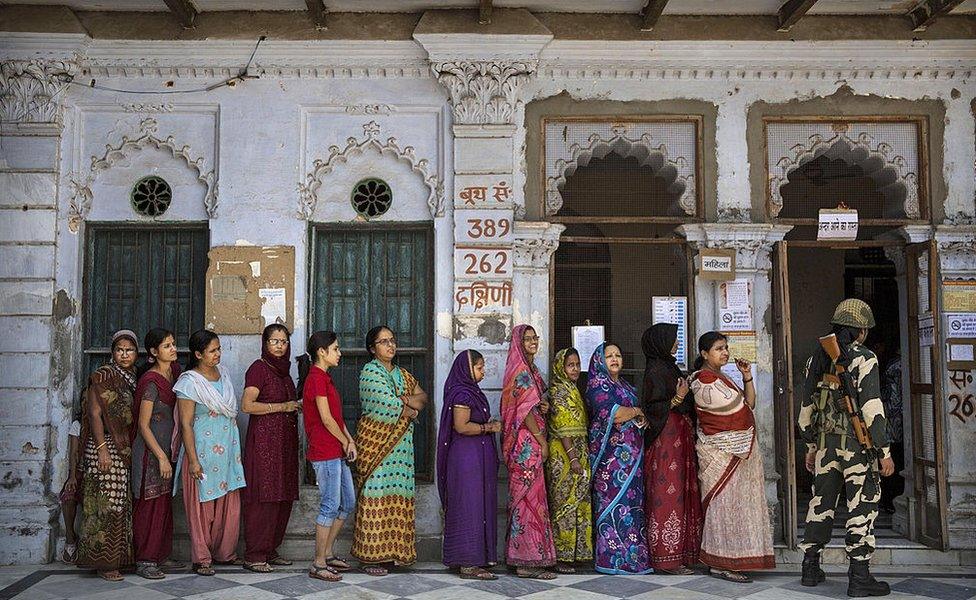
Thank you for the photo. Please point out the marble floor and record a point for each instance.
(433, 582)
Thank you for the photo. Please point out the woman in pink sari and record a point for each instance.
(530, 545)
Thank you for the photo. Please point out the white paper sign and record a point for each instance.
(837, 224)
(960, 325)
(961, 352)
(585, 339)
(926, 330)
(673, 309)
(736, 311)
(739, 319)
(273, 307)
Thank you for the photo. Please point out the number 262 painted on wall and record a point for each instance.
(482, 262)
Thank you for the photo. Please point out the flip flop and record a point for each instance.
(338, 564)
(261, 567)
(477, 573)
(540, 574)
(682, 570)
(204, 570)
(564, 569)
(316, 572)
(375, 570)
(111, 576)
(733, 576)
(278, 561)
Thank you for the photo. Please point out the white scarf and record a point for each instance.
(206, 394)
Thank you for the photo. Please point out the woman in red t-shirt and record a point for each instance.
(330, 450)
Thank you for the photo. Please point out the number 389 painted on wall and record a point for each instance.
(483, 226)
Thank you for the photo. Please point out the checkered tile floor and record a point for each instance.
(433, 582)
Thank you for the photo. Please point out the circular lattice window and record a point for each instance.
(372, 197)
(151, 196)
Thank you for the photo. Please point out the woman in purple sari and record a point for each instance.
(467, 470)
(616, 449)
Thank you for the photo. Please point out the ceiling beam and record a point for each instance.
(183, 10)
(927, 11)
(484, 12)
(317, 12)
(791, 11)
(652, 12)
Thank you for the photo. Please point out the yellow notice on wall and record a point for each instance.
(742, 345)
(958, 295)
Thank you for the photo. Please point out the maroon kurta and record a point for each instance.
(270, 463)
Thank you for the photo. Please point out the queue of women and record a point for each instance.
(633, 484)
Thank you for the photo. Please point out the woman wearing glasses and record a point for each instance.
(391, 401)
(106, 524)
(270, 451)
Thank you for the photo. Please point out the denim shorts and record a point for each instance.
(337, 496)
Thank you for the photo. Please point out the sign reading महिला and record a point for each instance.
(716, 264)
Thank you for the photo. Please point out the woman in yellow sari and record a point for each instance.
(568, 468)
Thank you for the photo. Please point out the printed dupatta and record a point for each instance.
(521, 394)
(383, 423)
(568, 416)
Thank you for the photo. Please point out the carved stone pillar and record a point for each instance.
(753, 243)
(35, 415)
(535, 244)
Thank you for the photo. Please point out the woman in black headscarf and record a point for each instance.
(672, 502)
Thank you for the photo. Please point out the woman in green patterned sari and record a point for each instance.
(568, 467)
(391, 401)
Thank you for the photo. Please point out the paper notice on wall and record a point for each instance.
(958, 296)
(585, 339)
(742, 346)
(961, 352)
(958, 325)
(735, 313)
(926, 330)
(673, 309)
(272, 305)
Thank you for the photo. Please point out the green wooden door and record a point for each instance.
(365, 276)
(139, 277)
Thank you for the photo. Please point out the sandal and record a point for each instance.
(169, 565)
(278, 561)
(149, 570)
(477, 573)
(733, 576)
(337, 564)
(204, 570)
(70, 554)
(323, 573)
(111, 575)
(261, 567)
(565, 569)
(541, 574)
(682, 570)
(375, 570)
(236, 562)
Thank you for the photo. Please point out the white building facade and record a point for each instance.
(477, 133)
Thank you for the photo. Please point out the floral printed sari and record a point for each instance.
(618, 482)
(529, 537)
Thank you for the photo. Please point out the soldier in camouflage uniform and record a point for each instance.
(837, 460)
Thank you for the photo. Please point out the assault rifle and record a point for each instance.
(841, 379)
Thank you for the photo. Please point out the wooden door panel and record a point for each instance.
(783, 411)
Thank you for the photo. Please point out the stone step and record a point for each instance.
(905, 553)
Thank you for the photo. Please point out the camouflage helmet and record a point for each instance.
(853, 313)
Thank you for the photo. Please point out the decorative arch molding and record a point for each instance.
(308, 190)
(80, 202)
(678, 169)
(889, 170)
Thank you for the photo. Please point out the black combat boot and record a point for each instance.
(812, 573)
(862, 584)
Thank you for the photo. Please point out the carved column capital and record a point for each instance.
(535, 243)
(484, 92)
(753, 242)
(31, 90)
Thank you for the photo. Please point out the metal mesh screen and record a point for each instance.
(634, 167)
(871, 166)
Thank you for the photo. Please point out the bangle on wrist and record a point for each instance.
(747, 380)
(99, 447)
